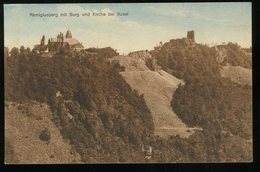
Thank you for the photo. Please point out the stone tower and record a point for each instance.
(68, 34)
(191, 35)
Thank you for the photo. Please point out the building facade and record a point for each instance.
(66, 42)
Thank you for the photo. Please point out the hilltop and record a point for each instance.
(216, 96)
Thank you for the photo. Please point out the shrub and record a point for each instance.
(45, 135)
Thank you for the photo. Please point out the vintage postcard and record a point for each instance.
(128, 83)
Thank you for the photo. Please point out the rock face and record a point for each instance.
(157, 88)
(143, 54)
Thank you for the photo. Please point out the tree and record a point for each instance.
(14, 52)
(22, 50)
(28, 50)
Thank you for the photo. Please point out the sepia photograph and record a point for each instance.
(116, 83)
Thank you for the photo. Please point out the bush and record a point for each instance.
(45, 135)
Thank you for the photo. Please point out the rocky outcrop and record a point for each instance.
(143, 54)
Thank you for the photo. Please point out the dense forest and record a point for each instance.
(110, 120)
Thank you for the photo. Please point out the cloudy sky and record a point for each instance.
(143, 28)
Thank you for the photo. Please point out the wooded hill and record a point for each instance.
(221, 107)
(107, 121)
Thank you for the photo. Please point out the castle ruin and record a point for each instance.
(190, 35)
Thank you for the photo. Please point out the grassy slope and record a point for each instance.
(158, 88)
(238, 74)
(23, 125)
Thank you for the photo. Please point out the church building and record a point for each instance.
(66, 42)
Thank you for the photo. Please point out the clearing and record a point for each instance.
(237, 74)
(158, 88)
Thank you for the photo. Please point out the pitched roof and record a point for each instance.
(70, 41)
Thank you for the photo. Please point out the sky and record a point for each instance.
(144, 26)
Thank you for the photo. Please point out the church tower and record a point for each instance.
(68, 34)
